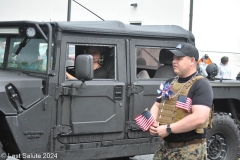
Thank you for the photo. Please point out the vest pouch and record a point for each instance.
(200, 129)
(166, 114)
(211, 116)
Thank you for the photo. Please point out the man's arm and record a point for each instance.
(69, 76)
(202, 96)
(154, 110)
(199, 115)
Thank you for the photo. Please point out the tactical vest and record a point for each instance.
(168, 112)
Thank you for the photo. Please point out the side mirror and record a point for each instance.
(84, 67)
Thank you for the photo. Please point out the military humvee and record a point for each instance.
(45, 115)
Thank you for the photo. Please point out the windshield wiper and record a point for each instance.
(21, 45)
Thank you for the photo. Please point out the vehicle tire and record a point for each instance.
(223, 138)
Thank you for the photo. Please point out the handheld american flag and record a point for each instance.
(144, 120)
(184, 102)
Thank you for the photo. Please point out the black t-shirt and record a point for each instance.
(100, 73)
(201, 94)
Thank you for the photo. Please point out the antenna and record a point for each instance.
(83, 7)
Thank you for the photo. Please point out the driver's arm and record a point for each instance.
(69, 76)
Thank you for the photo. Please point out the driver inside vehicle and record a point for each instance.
(99, 71)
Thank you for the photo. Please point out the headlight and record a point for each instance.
(30, 32)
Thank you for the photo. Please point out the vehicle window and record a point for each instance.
(103, 57)
(71, 52)
(2, 49)
(147, 61)
(32, 57)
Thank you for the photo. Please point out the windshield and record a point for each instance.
(32, 56)
(2, 49)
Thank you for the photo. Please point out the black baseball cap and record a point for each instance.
(205, 56)
(186, 49)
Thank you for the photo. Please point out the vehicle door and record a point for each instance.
(144, 57)
(94, 111)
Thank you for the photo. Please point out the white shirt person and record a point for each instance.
(224, 71)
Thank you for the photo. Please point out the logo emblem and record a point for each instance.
(179, 46)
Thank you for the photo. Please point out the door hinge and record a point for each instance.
(131, 125)
(134, 89)
(62, 129)
(70, 90)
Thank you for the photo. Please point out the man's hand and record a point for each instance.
(153, 128)
(161, 131)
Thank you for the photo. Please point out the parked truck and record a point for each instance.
(45, 115)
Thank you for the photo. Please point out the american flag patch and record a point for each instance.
(184, 102)
(144, 120)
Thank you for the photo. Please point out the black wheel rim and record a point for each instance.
(217, 147)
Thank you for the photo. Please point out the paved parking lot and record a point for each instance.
(143, 157)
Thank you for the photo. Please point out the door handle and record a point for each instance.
(118, 92)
